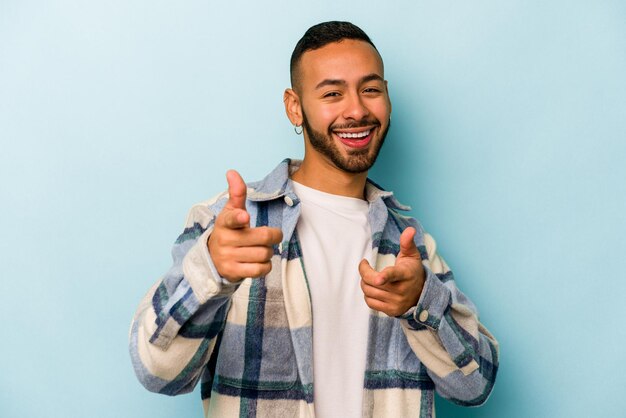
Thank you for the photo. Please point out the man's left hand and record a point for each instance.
(395, 289)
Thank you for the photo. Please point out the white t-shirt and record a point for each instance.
(335, 236)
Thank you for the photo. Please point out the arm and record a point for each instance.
(174, 330)
(440, 323)
(444, 332)
(178, 322)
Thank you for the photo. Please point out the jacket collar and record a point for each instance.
(278, 184)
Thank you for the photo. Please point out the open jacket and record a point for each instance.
(250, 344)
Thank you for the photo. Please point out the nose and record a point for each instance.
(355, 108)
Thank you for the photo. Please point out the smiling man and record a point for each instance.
(342, 88)
(309, 293)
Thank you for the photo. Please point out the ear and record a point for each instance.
(293, 108)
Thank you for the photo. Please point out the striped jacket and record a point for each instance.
(250, 344)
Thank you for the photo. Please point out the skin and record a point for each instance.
(338, 106)
(237, 250)
(341, 89)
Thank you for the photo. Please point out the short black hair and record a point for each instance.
(323, 34)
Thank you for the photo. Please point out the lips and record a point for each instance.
(354, 138)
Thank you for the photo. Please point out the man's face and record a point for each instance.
(345, 104)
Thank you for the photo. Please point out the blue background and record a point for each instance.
(508, 137)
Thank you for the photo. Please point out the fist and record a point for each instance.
(237, 250)
(395, 289)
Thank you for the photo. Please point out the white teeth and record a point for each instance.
(353, 135)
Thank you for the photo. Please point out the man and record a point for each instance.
(309, 293)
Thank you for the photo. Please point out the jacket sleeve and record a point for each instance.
(444, 332)
(175, 328)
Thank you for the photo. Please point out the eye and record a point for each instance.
(331, 94)
(371, 90)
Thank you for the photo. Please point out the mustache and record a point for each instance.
(357, 124)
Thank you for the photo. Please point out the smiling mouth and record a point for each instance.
(347, 135)
(355, 139)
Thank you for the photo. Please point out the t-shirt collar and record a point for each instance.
(278, 184)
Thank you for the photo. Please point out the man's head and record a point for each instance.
(321, 35)
(339, 96)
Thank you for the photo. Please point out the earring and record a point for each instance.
(295, 129)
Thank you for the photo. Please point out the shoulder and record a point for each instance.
(204, 212)
(404, 221)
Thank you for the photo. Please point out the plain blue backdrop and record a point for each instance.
(509, 124)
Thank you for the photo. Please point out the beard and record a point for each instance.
(358, 160)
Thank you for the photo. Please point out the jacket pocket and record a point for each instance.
(256, 351)
(408, 365)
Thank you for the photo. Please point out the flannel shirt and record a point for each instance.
(250, 343)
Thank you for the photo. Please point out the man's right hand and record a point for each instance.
(237, 250)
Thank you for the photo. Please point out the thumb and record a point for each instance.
(236, 190)
(407, 245)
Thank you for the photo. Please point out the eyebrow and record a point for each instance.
(336, 82)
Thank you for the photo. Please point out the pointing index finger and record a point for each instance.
(369, 275)
(236, 218)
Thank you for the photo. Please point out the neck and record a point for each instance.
(322, 175)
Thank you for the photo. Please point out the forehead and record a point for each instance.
(348, 60)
